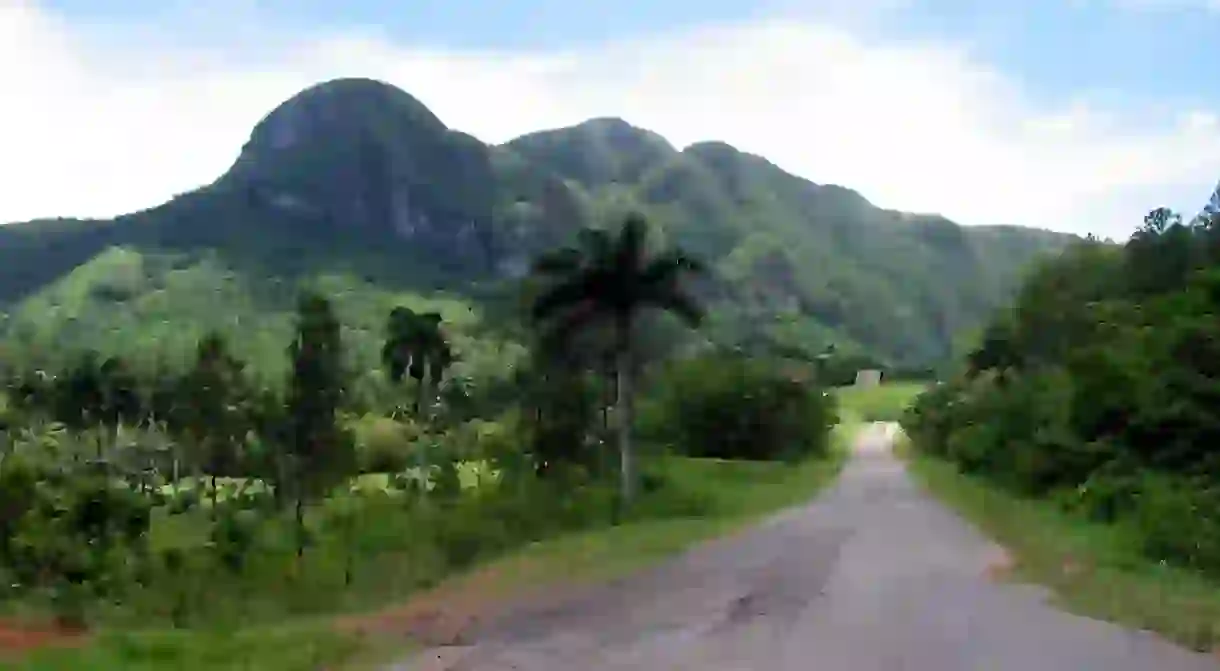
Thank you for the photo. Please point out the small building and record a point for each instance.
(868, 377)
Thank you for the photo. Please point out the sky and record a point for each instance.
(1074, 115)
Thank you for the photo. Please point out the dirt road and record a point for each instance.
(873, 575)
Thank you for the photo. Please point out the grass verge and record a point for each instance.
(1093, 569)
(304, 646)
(736, 493)
(743, 492)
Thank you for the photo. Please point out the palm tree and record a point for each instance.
(415, 346)
(610, 279)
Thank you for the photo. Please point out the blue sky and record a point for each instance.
(1076, 115)
(1057, 46)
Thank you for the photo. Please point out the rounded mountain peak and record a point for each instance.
(353, 109)
(363, 154)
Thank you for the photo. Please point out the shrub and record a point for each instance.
(739, 408)
(384, 445)
(1177, 521)
(558, 419)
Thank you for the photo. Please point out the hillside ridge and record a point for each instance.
(356, 178)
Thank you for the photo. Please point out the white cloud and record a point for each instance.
(106, 127)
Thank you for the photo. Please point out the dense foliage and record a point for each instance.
(1099, 387)
(775, 416)
(355, 186)
(206, 493)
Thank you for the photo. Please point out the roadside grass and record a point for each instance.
(306, 646)
(740, 493)
(721, 495)
(882, 403)
(1093, 569)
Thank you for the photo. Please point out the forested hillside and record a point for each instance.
(353, 187)
(816, 263)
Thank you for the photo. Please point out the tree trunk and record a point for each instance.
(199, 484)
(608, 398)
(349, 553)
(300, 524)
(419, 398)
(213, 494)
(625, 410)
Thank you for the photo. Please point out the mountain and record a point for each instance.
(820, 256)
(356, 187)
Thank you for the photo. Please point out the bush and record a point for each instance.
(384, 445)
(1177, 521)
(79, 536)
(738, 408)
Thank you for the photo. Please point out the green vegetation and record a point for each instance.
(292, 648)
(1096, 393)
(165, 509)
(354, 189)
(733, 493)
(797, 266)
(886, 402)
(773, 416)
(609, 282)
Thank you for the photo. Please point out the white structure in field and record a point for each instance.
(868, 378)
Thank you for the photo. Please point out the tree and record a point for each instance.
(215, 418)
(416, 346)
(1099, 387)
(320, 454)
(120, 401)
(611, 279)
(560, 401)
(78, 395)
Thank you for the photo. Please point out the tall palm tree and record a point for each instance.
(609, 279)
(415, 346)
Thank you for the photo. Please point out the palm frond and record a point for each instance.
(673, 299)
(564, 261)
(560, 296)
(596, 245)
(631, 244)
(558, 339)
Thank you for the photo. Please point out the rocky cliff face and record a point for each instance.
(366, 156)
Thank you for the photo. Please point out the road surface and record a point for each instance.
(873, 575)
